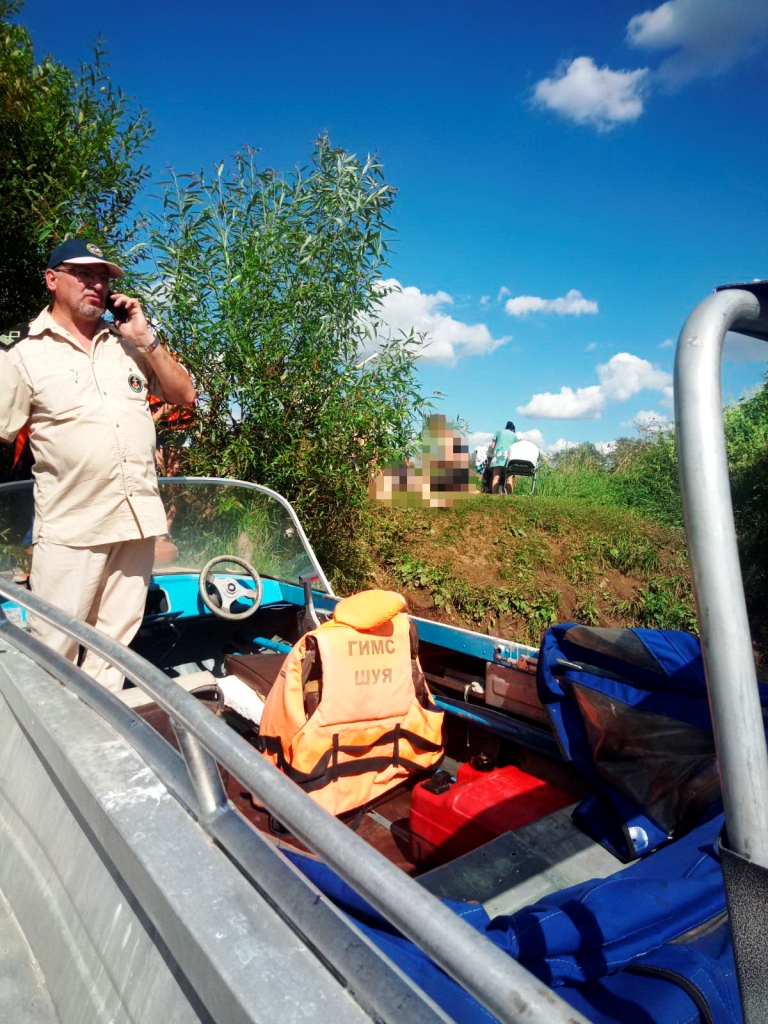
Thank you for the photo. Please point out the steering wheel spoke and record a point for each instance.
(227, 590)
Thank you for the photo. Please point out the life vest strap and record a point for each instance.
(329, 768)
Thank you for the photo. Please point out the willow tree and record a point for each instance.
(71, 142)
(268, 286)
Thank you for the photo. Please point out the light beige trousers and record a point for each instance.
(105, 586)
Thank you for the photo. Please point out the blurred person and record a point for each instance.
(442, 477)
(82, 385)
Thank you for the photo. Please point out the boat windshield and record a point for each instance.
(206, 518)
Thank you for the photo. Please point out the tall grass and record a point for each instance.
(639, 474)
(746, 435)
(642, 474)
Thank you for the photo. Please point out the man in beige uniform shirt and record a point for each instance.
(83, 386)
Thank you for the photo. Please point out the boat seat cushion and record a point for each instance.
(193, 682)
(259, 671)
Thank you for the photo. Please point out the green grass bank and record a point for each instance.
(516, 565)
(602, 542)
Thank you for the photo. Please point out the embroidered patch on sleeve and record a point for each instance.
(12, 335)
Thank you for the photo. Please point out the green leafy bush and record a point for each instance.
(746, 432)
(268, 288)
(71, 142)
(70, 149)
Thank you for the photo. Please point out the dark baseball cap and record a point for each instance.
(77, 250)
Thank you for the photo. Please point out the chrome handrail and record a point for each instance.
(717, 581)
(369, 977)
(503, 986)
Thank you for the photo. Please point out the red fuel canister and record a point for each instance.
(476, 808)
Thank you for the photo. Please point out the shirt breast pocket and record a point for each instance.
(124, 382)
(133, 386)
(58, 392)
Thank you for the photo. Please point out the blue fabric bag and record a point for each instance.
(629, 709)
(460, 1005)
(650, 944)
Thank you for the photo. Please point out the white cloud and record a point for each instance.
(651, 422)
(707, 36)
(446, 339)
(571, 304)
(703, 38)
(606, 447)
(503, 293)
(560, 445)
(751, 392)
(668, 397)
(479, 439)
(567, 404)
(584, 93)
(591, 346)
(738, 348)
(535, 436)
(485, 300)
(625, 375)
(668, 343)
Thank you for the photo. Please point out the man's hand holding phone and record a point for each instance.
(130, 321)
(119, 313)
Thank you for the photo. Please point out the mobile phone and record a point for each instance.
(119, 313)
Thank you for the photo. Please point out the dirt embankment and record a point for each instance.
(516, 565)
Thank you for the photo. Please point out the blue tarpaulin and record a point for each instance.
(648, 945)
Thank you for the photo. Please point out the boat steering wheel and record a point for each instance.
(218, 595)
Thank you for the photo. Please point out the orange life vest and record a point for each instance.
(363, 724)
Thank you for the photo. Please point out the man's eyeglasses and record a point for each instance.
(86, 276)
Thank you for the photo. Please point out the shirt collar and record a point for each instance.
(45, 324)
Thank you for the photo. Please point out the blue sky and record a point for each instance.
(573, 178)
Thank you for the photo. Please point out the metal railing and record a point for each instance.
(370, 979)
(722, 613)
(498, 982)
(711, 535)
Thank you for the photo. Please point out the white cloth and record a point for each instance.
(524, 451)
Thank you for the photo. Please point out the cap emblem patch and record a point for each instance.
(135, 383)
(93, 249)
